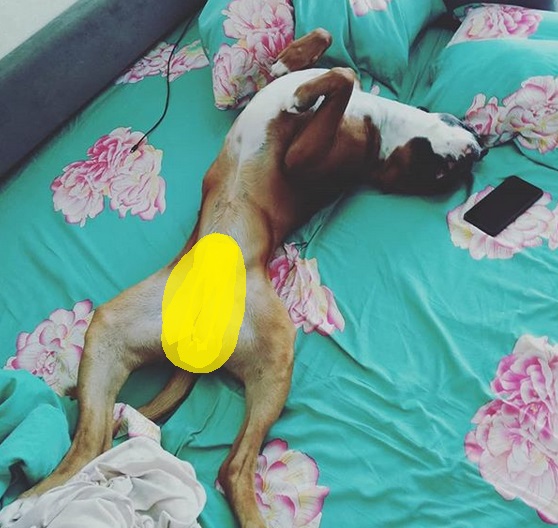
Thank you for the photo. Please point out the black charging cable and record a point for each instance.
(167, 100)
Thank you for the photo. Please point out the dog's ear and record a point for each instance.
(412, 169)
(416, 169)
(431, 174)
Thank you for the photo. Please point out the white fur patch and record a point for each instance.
(399, 123)
(279, 69)
(293, 108)
(248, 133)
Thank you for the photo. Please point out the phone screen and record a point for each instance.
(503, 205)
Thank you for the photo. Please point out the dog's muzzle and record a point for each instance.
(477, 149)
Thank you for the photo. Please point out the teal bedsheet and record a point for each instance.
(409, 323)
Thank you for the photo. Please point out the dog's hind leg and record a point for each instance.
(263, 361)
(124, 334)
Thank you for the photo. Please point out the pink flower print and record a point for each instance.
(515, 442)
(130, 179)
(262, 29)
(552, 231)
(506, 449)
(533, 113)
(266, 47)
(235, 76)
(287, 489)
(527, 231)
(53, 350)
(375, 90)
(488, 119)
(298, 284)
(523, 374)
(497, 22)
(187, 58)
(110, 151)
(154, 63)
(362, 7)
(137, 187)
(78, 192)
(530, 114)
(246, 17)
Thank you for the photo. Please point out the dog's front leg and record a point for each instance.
(314, 145)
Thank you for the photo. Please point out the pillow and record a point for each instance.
(496, 21)
(505, 85)
(548, 5)
(371, 36)
(242, 39)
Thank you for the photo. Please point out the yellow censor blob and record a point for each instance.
(203, 304)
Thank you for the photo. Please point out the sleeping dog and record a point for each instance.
(302, 141)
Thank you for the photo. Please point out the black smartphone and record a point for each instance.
(498, 209)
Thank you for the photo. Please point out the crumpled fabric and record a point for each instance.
(134, 485)
(34, 434)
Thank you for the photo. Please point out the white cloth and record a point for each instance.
(133, 423)
(134, 485)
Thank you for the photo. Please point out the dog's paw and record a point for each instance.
(294, 106)
(297, 105)
(16, 510)
(279, 69)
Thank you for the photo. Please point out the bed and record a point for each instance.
(425, 381)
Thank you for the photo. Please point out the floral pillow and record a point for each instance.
(460, 6)
(371, 36)
(242, 39)
(503, 81)
(495, 21)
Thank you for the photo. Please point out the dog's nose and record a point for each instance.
(476, 148)
(479, 152)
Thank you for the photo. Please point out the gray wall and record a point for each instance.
(51, 76)
(21, 19)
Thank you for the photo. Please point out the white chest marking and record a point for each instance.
(248, 133)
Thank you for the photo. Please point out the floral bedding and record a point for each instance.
(424, 386)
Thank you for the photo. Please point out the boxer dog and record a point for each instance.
(307, 137)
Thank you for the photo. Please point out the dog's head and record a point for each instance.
(438, 160)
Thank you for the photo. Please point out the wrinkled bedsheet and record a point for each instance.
(423, 386)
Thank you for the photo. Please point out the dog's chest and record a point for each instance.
(250, 130)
